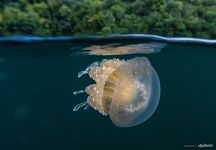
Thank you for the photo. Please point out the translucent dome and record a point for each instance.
(127, 91)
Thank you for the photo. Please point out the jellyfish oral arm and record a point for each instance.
(78, 106)
(86, 71)
(78, 92)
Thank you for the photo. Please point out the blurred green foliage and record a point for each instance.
(196, 18)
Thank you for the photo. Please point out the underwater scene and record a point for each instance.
(107, 74)
(126, 92)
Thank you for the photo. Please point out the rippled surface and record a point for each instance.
(37, 81)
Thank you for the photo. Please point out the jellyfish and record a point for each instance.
(128, 91)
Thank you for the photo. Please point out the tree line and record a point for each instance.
(192, 18)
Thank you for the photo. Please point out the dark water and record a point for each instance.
(36, 100)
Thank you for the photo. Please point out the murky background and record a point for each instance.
(37, 81)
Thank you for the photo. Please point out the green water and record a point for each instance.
(36, 101)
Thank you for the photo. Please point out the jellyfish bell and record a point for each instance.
(126, 91)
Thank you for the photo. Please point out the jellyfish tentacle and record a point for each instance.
(78, 92)
(86, 71)
(80, 74)
(78, 106)
(86, 107)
